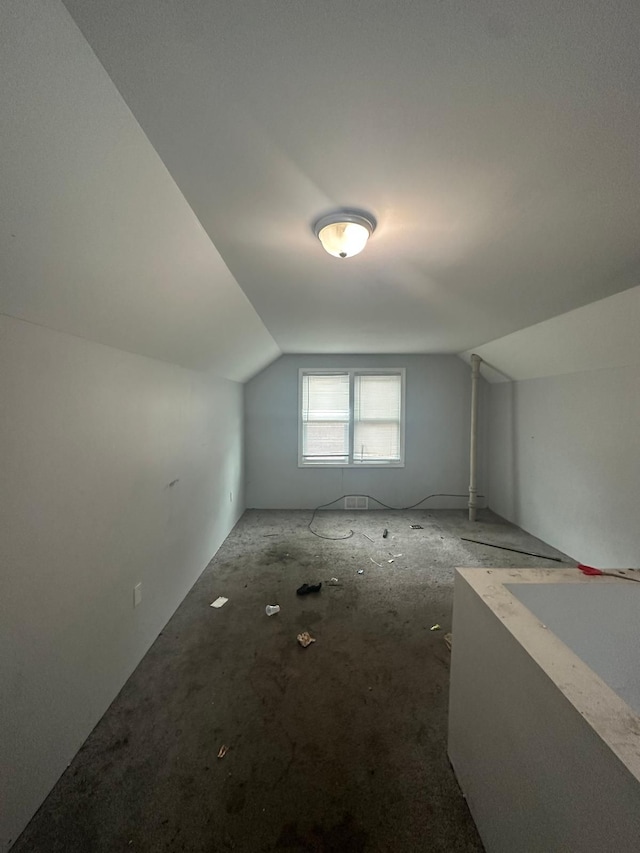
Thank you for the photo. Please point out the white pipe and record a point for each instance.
(473, 447)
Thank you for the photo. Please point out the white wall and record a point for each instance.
(564, 461)
(438, 392)
(91, 439)
(564, 440)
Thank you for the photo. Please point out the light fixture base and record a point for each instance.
(344, 233)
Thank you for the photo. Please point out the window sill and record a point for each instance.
(351, 465)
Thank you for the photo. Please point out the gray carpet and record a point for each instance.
(337, 747)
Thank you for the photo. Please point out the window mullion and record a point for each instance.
(351, 414)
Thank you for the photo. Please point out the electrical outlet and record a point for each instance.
(137, 594)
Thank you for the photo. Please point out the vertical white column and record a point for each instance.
(473, 446)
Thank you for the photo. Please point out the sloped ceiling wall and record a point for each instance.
(96, 239)
(603, 334)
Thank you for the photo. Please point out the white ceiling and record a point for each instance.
(496, 142)
(165, 205)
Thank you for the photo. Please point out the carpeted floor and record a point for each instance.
(337, 747)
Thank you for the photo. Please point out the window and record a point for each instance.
(351, 418)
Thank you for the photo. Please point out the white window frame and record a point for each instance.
(352, 372)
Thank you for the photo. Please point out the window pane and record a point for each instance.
(377, 411)
(376, 442)
(325, 440)
(325, 397)
(377, 397)
(325, 417)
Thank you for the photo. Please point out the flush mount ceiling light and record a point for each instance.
(344, 234)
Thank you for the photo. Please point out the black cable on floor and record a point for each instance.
(371, 498)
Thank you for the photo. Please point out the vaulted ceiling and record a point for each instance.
(495, 142)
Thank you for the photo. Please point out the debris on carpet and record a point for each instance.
(305, 639)
(306, 588)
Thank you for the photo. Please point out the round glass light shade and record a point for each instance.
(344, 235)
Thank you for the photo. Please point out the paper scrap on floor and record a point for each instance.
(219, 602)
